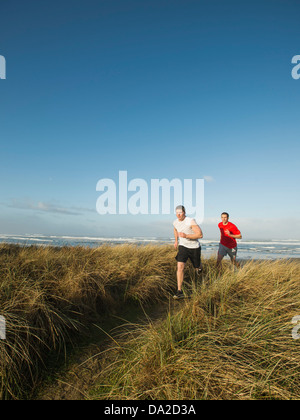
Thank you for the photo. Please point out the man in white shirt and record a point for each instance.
(188, 233)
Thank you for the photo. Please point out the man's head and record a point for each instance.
(180, 213)
(225, 217)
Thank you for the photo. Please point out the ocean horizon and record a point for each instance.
(247, 249)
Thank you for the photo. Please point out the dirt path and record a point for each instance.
(82, 367)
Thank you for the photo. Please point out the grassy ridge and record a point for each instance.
(49, 296)
(232, 340)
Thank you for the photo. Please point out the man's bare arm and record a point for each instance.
(176, 238)
(197, 235)
(239, 236)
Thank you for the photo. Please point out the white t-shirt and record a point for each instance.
(186, 227)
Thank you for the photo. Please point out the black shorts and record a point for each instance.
(194, 254)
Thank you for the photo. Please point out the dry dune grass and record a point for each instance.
(231, 340)
(48, 297)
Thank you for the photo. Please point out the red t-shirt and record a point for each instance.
(225, 239)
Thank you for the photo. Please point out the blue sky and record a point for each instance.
(162, 89)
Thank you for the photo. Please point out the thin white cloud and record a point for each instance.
(27, 204)
(208, 178)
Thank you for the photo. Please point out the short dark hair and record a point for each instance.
(224, 212)
(182, 208)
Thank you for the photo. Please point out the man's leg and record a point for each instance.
(233, 255)
(235, 263)
(180, 275)
(221, 254)
(219, 261)
(195, 256)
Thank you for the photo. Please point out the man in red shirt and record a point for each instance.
(228, 244)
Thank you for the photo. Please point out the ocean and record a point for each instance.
(251, 249)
